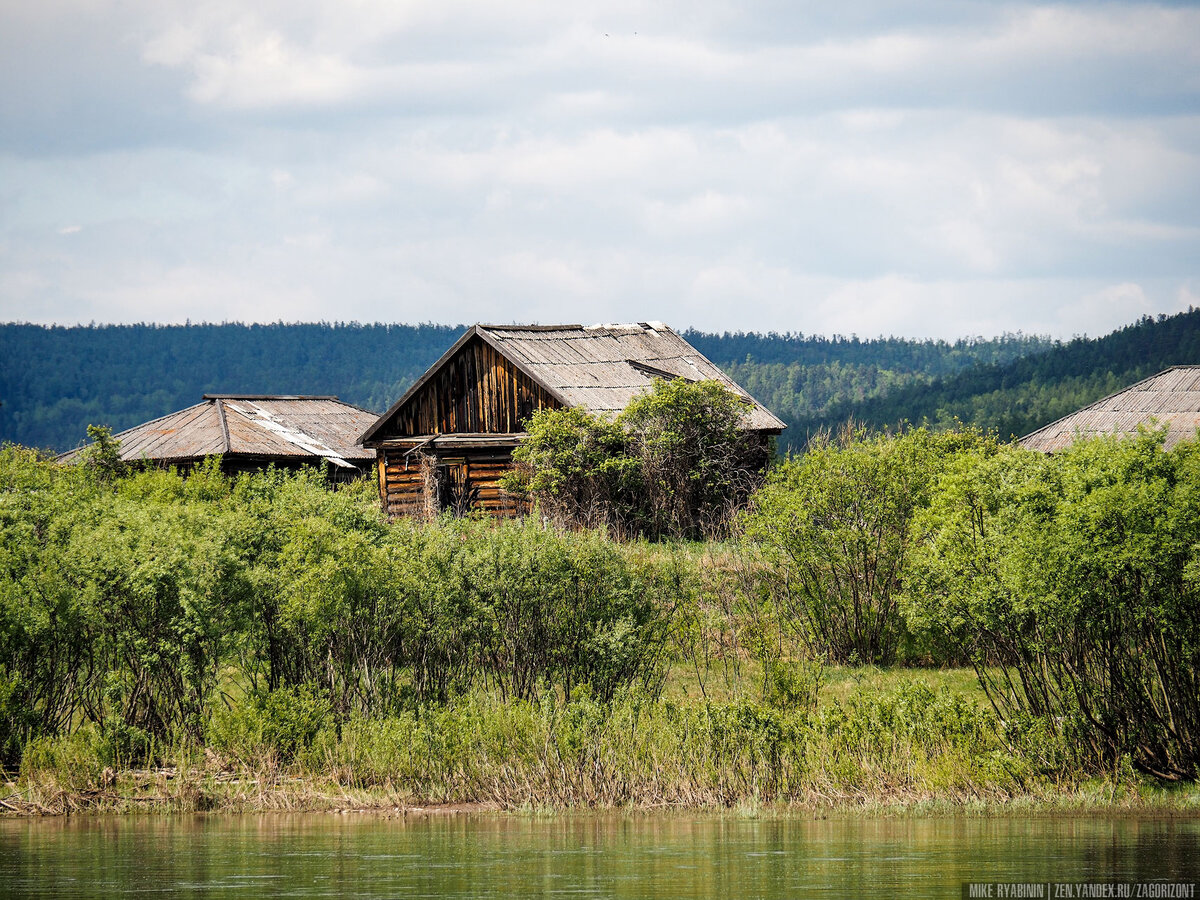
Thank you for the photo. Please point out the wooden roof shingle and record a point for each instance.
(1170, 398)
(285, 427)
(599, 368)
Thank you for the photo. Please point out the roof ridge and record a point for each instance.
(224, 424)
(491, 327)
(653, 325)
(273, 397)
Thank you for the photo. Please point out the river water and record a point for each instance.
(667, 855)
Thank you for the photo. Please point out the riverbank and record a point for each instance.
(857, 741)
(169, 792)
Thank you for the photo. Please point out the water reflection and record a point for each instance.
(671, 855)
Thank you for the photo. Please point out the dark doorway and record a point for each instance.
(455, 492)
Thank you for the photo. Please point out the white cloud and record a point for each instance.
(1110, 307)
(528, 54)
(708, 210)
(913, 168)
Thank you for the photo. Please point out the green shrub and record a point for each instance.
(837, 523)
(675, 463)
(1071, 579)
(278, 726)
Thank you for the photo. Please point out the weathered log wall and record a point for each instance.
(421, 484)
(403, 484)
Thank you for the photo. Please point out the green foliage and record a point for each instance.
(674, 463)
(792, 684)
(563, 609)
(577, 467)
(632, 751)
(1072, 580)
(696, 464)
(837, 524)
(160, 584)
(277, 726)
(102, 457)
(134, 603)
(78, 760)
(45, 633)
(283, 624)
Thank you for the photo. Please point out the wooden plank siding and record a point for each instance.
(478, 391)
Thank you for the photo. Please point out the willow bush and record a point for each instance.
(836, 524)
(1074, 582)
(141, 603)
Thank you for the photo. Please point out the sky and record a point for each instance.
(919, 168)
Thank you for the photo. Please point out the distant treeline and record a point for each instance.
(932, 357)
(55, 381)
(1016, 397)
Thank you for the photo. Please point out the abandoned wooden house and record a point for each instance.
(449, 439)
(250, 432)
(1171, 399)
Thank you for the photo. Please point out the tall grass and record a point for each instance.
(906, 744)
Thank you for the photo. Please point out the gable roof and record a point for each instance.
(599, 368)
(295, 427)
(1171, 398)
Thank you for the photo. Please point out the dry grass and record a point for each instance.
(882, 743)
(166, 792)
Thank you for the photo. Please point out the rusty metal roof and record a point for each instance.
(599, 368)
(291, 427)
(1170, 398)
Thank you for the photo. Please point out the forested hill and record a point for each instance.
(54, 381)
(1017, 397)
(892, 354)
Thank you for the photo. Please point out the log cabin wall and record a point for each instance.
(421, 484)
(403, 480)
(478, 391)
(471, 480)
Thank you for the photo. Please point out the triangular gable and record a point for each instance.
(473, 389)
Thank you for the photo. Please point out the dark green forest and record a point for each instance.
(55, 381)
(1019, 396)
